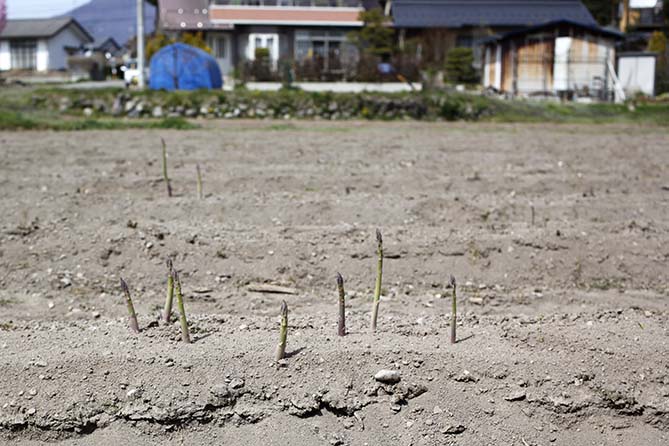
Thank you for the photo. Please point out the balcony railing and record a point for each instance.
(342, 13)
(291, 3)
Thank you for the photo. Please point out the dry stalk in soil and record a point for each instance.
(167, 312)
(165, 177)
(454, 310)
(185, 334)
(283, 334)
(341, 331)
(379, 274)
(132, 316)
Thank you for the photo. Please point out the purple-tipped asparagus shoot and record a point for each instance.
(454, 310)
(379, 274)
(341, 329)
(199, 182)
(185, 334)
(165, 177)
(132, 317)
(283, 334)
(167, 312)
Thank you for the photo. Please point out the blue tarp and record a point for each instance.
(184, 67)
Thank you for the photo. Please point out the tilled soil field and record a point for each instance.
(557, 235)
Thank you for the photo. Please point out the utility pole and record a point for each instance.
(140, 43)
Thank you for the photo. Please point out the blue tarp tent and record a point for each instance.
(184, 67)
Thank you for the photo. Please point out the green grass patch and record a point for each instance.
(12, 120)
(282, 127)
(41, 108)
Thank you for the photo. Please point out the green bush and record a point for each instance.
(459, 66)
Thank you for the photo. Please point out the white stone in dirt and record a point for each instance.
(236, 383)
(388, 376)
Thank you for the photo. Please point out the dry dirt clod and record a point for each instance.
(518, 395)
(466, 377)
(454, 429)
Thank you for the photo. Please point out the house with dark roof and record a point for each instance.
(316, 31)
(40, 44)
(436, 26)
(304, 31)
(561, 57)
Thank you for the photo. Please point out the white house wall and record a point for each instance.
(5, 56)
(486, 67)
(581, 63)
(561, 74)
(498, 67)
(42, 62)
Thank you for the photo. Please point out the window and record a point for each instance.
(464, 41)
(220, 47)
(269, 41)
(23, 54)
(324, 46)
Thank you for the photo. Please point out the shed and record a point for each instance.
(637, 72)
(559, 57)
(441, 25)
(184, 67)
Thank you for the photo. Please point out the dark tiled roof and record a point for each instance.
(459, 13)
(593, 29)
(36, 28)
(113, 18)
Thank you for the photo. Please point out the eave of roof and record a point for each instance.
(14, 29)
(499, 13)
(532, 29)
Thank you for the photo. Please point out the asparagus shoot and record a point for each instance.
(199, 182)
(453, 310)
(167, 313)
(185, 335)
(342, 310)
(283, 334)
(379, 273)
(532, 213)
(132, 317)
(165, 177)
